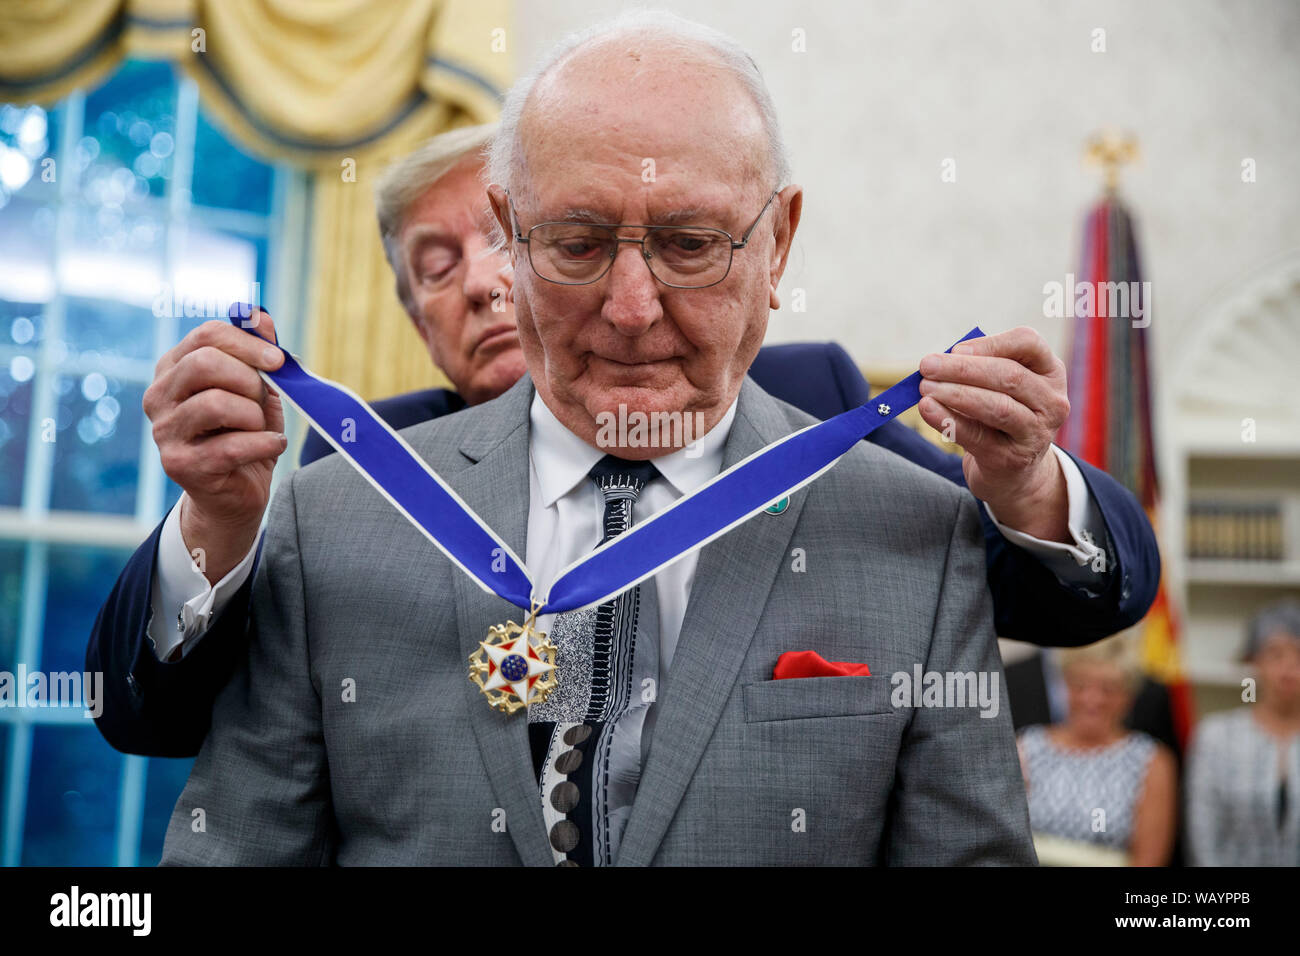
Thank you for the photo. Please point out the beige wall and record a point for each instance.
(895, 262)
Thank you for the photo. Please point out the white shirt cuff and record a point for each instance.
(183, 602)
(1083, 563)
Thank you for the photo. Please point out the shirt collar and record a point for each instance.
(562, 459)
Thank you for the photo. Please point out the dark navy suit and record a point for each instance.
(163, 709)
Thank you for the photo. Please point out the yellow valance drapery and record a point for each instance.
(308, 81)
(336, 87)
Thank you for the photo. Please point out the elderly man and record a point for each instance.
(433, 218)
(351, 732)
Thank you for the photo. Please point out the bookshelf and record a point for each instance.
(1230, 521)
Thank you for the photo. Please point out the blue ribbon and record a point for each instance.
(385, 460)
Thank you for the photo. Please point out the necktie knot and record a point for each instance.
(620, 482)
(612, 473)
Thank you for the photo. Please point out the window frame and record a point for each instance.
(284, 229)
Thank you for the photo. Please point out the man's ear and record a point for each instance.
(787, 221)
(500, 203)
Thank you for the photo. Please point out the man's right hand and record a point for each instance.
(219, 430)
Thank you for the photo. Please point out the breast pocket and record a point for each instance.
(803, 697)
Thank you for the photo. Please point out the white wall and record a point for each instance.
(896, 263)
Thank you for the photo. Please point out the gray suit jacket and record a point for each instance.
(351, 733)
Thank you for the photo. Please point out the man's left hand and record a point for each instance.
(1003, 398)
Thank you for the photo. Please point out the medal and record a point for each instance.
(514, 666)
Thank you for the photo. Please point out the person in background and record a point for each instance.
(1244, 765)
(1099, 794)
(435, 223)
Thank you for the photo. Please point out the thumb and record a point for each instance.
(254, 317)
(263, 324)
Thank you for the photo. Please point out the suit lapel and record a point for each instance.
(732, 583)
(733, 580)
(496, 487)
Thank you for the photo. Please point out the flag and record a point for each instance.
(1110, 422)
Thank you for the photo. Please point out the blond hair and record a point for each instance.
(406, 180)
(1119, 651)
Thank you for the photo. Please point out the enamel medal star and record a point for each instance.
(514, 667)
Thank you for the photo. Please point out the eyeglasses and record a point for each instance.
(683, 257)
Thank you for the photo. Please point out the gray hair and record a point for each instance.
(680, 32)
(406, 180)
(1282, 617)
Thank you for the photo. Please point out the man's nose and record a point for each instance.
(632, 296)
(487, 276)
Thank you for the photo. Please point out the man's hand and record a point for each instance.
(219, 431)
(1003, 398)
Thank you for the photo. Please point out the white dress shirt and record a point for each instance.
(565, 509)
(564, 516)
(183, 603)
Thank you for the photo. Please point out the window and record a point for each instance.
(126, 219)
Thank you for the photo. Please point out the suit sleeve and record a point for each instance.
(154, 708)
(959, 798)
(260, 786)
(1030, 603)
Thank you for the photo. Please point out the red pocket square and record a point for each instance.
(811, 664)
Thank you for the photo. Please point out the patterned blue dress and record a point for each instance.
(1085, 795)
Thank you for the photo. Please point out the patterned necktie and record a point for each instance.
(586, 737)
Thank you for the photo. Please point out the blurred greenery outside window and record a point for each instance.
(127, 218)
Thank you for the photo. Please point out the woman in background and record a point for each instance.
(1099, 794)
(1244, 765)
